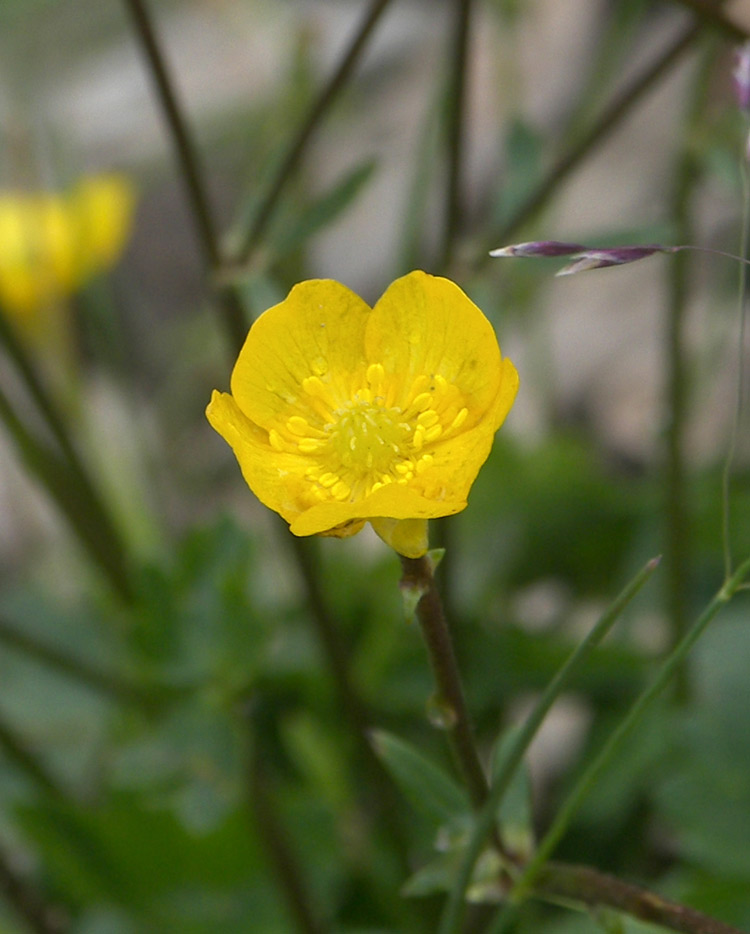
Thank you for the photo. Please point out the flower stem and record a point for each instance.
(278, 848)
(665, 673)
(596, 889)
(418, 576)
(455, 119)
(231, 308)
(40, 916)
(710, 12)
(487, 818)
(68, 484)
(677, 548)
(299, 141)
(726, 474)
(103, 682)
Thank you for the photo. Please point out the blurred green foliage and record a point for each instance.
(131, 733)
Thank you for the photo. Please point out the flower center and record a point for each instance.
(366, 441)
(367, 437)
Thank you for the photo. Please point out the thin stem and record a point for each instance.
(596, 889)
(15, 749)
(278, 848)
(711, 14)
(667, 670)
(677, 549)
(726, 475)
(617, 110)
(487, 818)
(450, 700)
(75, 668)
(187, 159)
(456, 111)
(109, 540)
(41, 916)
(75, 499)
(299, 141)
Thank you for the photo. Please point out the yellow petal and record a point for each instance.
(102, 211)
(394, 501)
(316, 332)
(277, 478)
(426, 325)
(406, 536)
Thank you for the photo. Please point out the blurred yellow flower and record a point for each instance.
(340, 414)
(52, 244)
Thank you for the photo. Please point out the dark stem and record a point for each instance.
(711, 14)
(306, 129)
(75, 668)
(110, 546)
(455, 118)
(185, 151)
(596, 889)
(418, 576)
(40, 916)
(76, 500)
(278, 848)
(618, 109)
(16, 750)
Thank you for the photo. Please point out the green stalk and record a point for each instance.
(298, 144)
(667, 670)
(76, 499)
(487, 817)
(677, 545)
(726, 475)
(233, 314)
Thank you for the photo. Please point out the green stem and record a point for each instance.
(278, 848)
(677, 550)
(187, 159)
(617, 110)
(97, 517)
(299, 141)
(16, 750)
(487, 818)
(76, 499)
(597, 889)
(418, 577)
(726, 474)
(40, 916)
(667, 670)
(104, 682)
(711, 14)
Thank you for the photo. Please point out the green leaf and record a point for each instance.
(425, 784)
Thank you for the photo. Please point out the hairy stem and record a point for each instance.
(418, 577)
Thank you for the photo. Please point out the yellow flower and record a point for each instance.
(341, 414)
(52, 244)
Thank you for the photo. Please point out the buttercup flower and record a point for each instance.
(51, 244)
(340, 414)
